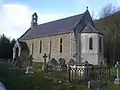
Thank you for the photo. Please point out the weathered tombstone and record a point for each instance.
(18, 62)
(29, 68)
(117, 66)
(71, 62)
(49, 66)
(62, 61)
(95, 85)
(62, 64)
(54, 64)
(2, 87)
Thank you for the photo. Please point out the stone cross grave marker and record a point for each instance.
(29, 68)
(117, 66)
(45, 57)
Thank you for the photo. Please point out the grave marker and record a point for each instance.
(95, 85)
(29, 68)
(45, 57)
(117, 66)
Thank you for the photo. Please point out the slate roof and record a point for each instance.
(60, 26)
(89, 28)
(55, 27)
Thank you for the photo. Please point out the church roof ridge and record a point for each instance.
(60, 26)
(62, 18)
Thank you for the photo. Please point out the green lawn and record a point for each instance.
(15, 79)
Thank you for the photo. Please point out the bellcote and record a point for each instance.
(34, 20)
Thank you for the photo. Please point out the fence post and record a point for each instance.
(69, 72)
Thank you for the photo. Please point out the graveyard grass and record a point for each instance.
(15, 79)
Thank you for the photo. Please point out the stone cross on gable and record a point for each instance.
(117, 66)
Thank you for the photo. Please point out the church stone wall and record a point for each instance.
(55, 47)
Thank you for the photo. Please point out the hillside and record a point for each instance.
(110, 27)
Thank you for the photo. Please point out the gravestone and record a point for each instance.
(62, 61)
(29, 68)
(52, 64)
(95, 84)
(48, 66)
(117, 66)
(71, 62)
(62, 64)
(18, 62)
(45, 63)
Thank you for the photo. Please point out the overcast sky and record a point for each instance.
(15, 15)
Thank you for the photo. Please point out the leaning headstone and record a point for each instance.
(117, 66)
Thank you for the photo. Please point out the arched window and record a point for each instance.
(100, 44)
(90, 43)
(60, 45)
(40, 46)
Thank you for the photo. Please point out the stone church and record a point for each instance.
(75, 37)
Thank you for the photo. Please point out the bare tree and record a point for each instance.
(108, 10)
(111, 23)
